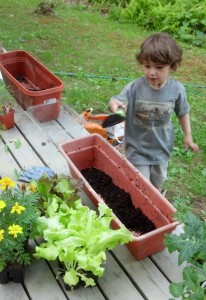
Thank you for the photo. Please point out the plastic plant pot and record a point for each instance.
(45, 112)
(29, 80)
(95, 151)
(13, 273)
(7, 120)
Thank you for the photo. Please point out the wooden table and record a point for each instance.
(125, 278)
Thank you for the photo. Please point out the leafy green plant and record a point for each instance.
(191, 247)
(57, 188)
(18, 217)
(7, 101)
(79, 238)
(193, 285)
(180, 18)
(191, 243)
(183, 206)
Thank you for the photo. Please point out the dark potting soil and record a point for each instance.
(119, 201)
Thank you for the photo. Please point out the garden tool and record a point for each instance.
(94, 125)
(114, 119)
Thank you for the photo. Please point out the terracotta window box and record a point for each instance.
(95, 151)
(30, 81)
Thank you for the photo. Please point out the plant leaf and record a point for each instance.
(17, 143)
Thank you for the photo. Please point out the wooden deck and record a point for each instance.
(124, 277)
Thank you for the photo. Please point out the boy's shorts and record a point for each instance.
(156, 174)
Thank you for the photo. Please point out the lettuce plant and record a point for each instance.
(58, 187)
(78, 237)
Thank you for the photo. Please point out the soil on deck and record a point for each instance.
(119, 201)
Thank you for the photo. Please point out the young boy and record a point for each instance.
(151, 100)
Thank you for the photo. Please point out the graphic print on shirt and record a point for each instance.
(153, 114)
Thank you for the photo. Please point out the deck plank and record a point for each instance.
(41, 283)
(39, 276)
(145, 274)
(168, 262)
(116, 284)
(7, 163)
(72, 122)
(89, 293)
(46, 150)
(25, 156)
(12, 291)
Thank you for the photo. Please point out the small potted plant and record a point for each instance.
(7, 104)
(18, 216)
(191, 247)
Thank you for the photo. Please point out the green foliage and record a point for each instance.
(191, 287)
(191, 243)
(181, 18)
(191, 247)
(79, 238)
(54, 190)
(183, 206)
(7, 101)
(17, 143)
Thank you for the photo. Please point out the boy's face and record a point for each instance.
(156, 74)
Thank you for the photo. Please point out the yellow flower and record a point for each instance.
(1, 235)
(6, 182)
(32, 188)
(15, 229)
(2, 204)
(17, 208)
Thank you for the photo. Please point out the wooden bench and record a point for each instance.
(124, 278)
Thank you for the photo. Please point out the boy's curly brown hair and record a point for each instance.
(160, 48)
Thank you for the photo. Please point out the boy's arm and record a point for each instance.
(186, 127)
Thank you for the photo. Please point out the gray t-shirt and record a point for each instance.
(149, 133)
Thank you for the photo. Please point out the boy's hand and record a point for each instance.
(188, 143)
(115, 104)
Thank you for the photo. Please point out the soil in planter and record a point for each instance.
(27, 83)
(119, 201)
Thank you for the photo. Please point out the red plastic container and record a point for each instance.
(45, 112)
(95, 151)
(31, 82)
(8, 119)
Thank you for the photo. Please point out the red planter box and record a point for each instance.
(95, 151)
(30, 81)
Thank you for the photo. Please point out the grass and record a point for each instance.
(75, 40)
